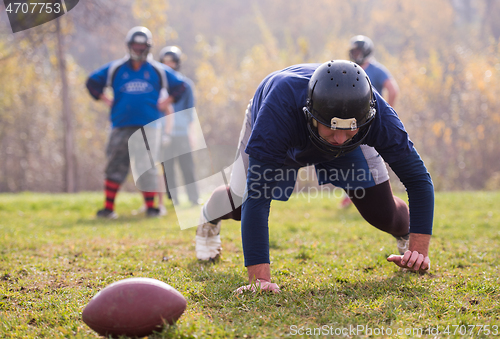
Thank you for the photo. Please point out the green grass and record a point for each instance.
(329, 263)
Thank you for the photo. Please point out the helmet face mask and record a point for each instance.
(340, 97)
(137, 50)
(361, 49)
(139, 41)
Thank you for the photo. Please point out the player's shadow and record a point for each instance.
(206, 271)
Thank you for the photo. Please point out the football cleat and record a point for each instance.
(107, 214)
(208, 244)
(153, 212)
(143, 209)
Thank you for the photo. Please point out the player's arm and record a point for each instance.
(107, 100)
(254, 225)
(176, 85)
(165, 102)
(96, 83)
(392, 89)
(414, 175)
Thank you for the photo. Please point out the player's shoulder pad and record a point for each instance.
(113, 67)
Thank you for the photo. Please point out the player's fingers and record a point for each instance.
(244, 288)
(270, 287)
(426, 265)
(405, 257)
(264, 286)
(395, 258)
(418, 263)
(413, 259)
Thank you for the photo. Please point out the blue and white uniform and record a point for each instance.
(278, 146)
(180, 146)
(136, 92)
(135, 104)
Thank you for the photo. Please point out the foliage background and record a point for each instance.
(443, 53)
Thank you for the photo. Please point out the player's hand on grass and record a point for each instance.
(259, 285)
(411, 260)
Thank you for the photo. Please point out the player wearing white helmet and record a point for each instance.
(143, 90)
(361, 52)
(180, 134)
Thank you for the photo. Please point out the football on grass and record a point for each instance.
(134, 307)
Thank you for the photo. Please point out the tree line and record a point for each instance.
(444, 55)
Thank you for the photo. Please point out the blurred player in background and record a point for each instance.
(179, 139)
(143, 91)
(361, 52)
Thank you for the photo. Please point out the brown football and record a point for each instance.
(134, 307)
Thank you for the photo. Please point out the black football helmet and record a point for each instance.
(139, 35)
(172, 52)
(361, 48)
(340, 96)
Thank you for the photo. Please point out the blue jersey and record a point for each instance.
(136, 92)
(280, 141)
(378, 75)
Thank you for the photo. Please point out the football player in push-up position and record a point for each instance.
(326, 115)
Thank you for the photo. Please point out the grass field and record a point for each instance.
(55, 256)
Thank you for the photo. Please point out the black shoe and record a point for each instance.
(153, 212)
(107, 214)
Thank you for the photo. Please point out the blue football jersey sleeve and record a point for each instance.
(97, 81)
